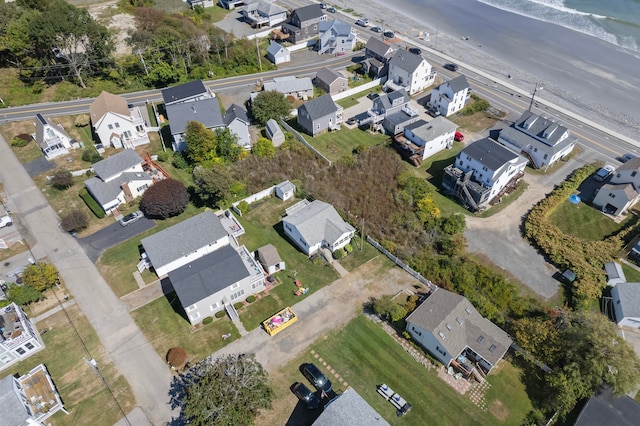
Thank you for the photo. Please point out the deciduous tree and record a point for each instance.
(201, 143)
(23, 294)
(41, 276)
(268, 105)
(75, 220)
(213, 185)
(164, 199)
(263, 148)
(62, 179)
(227, 147)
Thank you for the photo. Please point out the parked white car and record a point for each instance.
(5, 221)
(364, 22)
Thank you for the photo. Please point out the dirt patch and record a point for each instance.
(499, 411)
(120, 24)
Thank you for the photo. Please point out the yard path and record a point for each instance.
(499, 238)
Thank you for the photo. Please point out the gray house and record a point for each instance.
(187, 92)
(391, 112)
(303, 23)
(349, 409)
(277, 53)
(298, 88)
(453, 331)
(319, 115)
(626, 304)
(237, 122)
(377, 54)
(205, 111)
(331, 81)
(274, 132)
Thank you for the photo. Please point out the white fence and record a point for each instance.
(80, 172)
(264, 33)
(358, 89)
(301, 46)
(303, 140)
(256, 197)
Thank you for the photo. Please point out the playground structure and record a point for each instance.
(278, 322)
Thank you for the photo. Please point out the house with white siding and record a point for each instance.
(423, 139)
(237, 121)
(450, 97)
(335, 37)
(409, 71)
(622, 191)
(19, 339)
(117, 124)
(277, 53)
(52, 138)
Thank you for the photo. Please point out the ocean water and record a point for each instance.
(614, 21)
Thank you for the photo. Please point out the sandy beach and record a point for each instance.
(579, 72)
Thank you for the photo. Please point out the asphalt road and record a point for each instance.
(95, 244)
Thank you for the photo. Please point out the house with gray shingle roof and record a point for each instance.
(450, 97)
(316, 225)
(626, 304)
(349, 408)
(184, 242)
(237, 121)
(424, 139)
(377, 54)
(391, 112)
(277, 53)
(622, 191)
(410, 71)
(297, 87)
(119, 179)
(331, 81)
(51, 138)
(319, 115)
(541, 140)
(335, 37)
(303, 23)
(187, 92)
(263, 13)
(453, 331)
(205, 111)
(481, 172)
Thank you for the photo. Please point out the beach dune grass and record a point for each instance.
(584, 221)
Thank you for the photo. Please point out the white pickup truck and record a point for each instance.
(5, 221)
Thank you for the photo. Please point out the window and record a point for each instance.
(236, 285)
(237, 294)
(21, 351)
(449, 326)
(29, 345)
(612, 195)
(142, 188)
(117, 125)
(467, 310)
(468, 158)
(535, 149)
(191, 308)
(256, 285)
(441, 334)
(634, 173)
(214, 306)
(485, 169)
(194, 316)
(545, 156)
(492, 348)
(110, 126)
(5, 359)
(480, 339)
(458, 320)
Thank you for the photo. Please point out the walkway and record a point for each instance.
(52, 311)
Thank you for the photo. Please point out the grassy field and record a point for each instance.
(584, 221)
(365, 356)
(353, 99)
(165, 328)
(83, 393)
(631, 274)
(336, 145)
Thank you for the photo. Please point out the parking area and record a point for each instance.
(95, 244)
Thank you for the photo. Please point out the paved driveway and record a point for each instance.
(95, 244)
(39, 166)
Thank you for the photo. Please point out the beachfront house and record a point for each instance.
(453, 331)
(296, 87)
(331, 81)
(482, 172)
(390, 113)
(377, 54)
(237, 121)
(119, 179)
(303, 23)
(51, 138)
(18, 337)
(423, 139)
(409, 71)
(450, 97)
(335, 37)
(263, 13)
(539, 139)
(316, 225)
(622, 191)
(277, 53)
(117, 124)
(319, 115)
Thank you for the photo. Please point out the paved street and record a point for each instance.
(130, 350)
(95, 244)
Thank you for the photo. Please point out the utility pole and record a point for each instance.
(142, 60)
(258, 50)
(362, 234)
(538, 87)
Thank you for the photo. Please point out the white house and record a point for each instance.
(119, 179)
(409, 71)
(284, 190)
(622, 191)
(298, 88)
(188, 240)
(270, 259)
(626, 304)
(274, 132)
(277, 53)
(316, 225)
(423, 139)
(538, 138)
(450, 97)
(237, 121)
(51, 138)
(335, 37)
(263, 13)
(18, 337)
(29, 399)
(482, 171)
(453, 331)
(116, 124)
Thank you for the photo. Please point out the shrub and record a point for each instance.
(348, 248)
(238, 305)
(82, 120)
(251, 299)
(74, 221)
(339, 254)
(477, 105)
(207, 321)
(179, 162)
(92, 203)
(19, 142)
(62, 179)
(91, 155)
(244, 207)
(164, 199)
(163, 156)
(177, 356)
(23, 294)
(220, 314)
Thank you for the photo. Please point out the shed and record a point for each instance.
(274, 132)
(285, 190)
(270, 259)
(568, 276)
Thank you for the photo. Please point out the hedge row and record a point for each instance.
(92, 203)
(585, 258)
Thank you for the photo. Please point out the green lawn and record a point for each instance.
(631, 274)
(353, 99)
(165, 329)
(336, 145)
(584, 221)
(357, 257)
(82, 391)
(365, 356)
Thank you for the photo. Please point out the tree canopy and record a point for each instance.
(41, 276)
(226, 391)
(164, 199)
(268, 105)
(213, 185)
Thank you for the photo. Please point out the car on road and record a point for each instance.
(305, 395)
(363, 22)
(627, 157)
(376, 29)
(323, 5)
(373, 96)
(415, 51)
(389, 34)
(604, 173)
(451, 67)
(5, 221)
(331, 9)
(459, 137)
(316, 377)
(130, 218)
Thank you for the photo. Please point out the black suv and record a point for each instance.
(316, 377)
(451, 67)
(305, 395)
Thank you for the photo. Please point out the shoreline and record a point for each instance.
(574, 68)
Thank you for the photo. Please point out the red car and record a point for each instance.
(459, 137)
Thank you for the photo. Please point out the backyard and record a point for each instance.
(583, 221)
(339, 144)
(365, 356)
(81, 389)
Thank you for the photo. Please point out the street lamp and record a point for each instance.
(538, 87)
